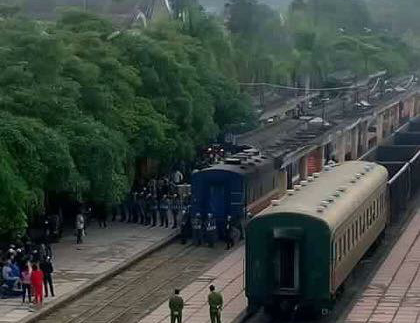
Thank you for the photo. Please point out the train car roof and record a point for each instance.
(352, 181)
(250, 166)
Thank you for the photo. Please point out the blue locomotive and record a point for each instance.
(246, 182)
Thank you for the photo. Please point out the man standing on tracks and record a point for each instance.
(197, 229)
(176, 304)
(215, 300)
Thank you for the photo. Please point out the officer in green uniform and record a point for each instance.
(176, 304)
(216, 304)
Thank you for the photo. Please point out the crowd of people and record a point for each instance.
(27, 272)
(158, 203)
(161, 203)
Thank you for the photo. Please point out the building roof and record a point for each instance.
(340, 179)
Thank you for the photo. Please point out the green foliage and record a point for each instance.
(315, 39)
(78, 109)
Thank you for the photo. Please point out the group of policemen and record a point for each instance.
(204, 228)
(151, 205)
(214, 299)
(155, 203)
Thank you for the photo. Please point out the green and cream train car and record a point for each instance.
(301, 249)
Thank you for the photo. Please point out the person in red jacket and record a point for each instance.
(37, 280)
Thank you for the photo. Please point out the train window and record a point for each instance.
(372, 212)
(352, 235)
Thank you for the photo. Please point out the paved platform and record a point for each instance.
(393, 295)
(227, 276)
(76, 265)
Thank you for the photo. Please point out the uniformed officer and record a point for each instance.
(155, 208)
(196, 229)
(215, 301)
(229, 232)
(176, 304)
(184, 226)
(163, 211)
(211, 230)
(176, 208)
(148, 209)
(141, 204)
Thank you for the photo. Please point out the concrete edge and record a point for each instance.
(66, 298)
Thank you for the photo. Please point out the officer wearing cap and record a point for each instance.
(196, 229)
(176, 304)
(211, 230)
(215, 301)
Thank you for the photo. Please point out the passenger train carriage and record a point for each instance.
(300, 250)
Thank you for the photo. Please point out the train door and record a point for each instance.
(217, 200)
(286, 266)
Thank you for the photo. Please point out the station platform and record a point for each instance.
(76, 266)
(228, 278)
(393, 295)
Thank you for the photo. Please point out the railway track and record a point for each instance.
(135, 292)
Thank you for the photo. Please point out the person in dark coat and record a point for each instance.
(141, 207)
(165, 204)
(155, 210)
(197, 227)
(101, 215)
(114, 212)
(148, 209)
(185, 225)
(229, 232)
(176, 208)
(211, 230)
(47, 268)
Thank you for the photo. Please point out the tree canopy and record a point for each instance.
(79, 108)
